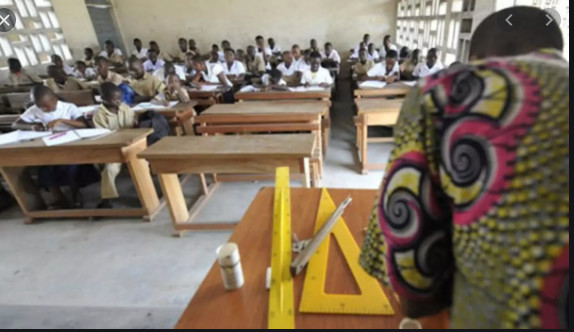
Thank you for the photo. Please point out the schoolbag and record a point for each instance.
(157, 122)
(128, 94)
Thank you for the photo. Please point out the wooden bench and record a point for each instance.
(181, 116)
(6, 122)
(284, 95)
(16, 102)
(397, 89)
(78, 98)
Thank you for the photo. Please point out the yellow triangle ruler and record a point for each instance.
(281, 312)
(371, 301)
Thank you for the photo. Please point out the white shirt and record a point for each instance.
(213, 70)
(380, 69)
(320, 77)
(179, 71)
(301, 65)
(150, 66)
(383, 53)
(265, 79)
(267, 50)
(334, 55)
(374, 56)
(63, 110)
(237, 68)
(287, 71)
(141, 54)
(117, 51)
(68, 70)
(221, 56)
(275, 49)
(422, 70)
(90, 72)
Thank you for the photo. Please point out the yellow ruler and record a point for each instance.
(281, 312)
(371, 301)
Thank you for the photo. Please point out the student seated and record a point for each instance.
(193, 47)
(58, 62)
(153, 62)
(404, 54)
(274, 81)
(59, 81)
(387, 71)
(313, 46)
(409, 66)
(139, 51)
(209, 74)
(153, 45)
(112, 53)
(48, 113)
(256, 64)
(180, 56)
(331, 58)
(261, 48)
(189, 69)
(362, 67)
(305, 63)
(241, 57)
(112, 115)
(275, 49)
(225, 45)
(20, 76)
(387, 46)
(89, 58)
(362, 46)
(298, 57)
(105, 74)
(220, 55)
(169, 68)
(232, 68)
(316, 75)
(430, 66)
(175, 90)
(214, 54)
(288, 69)
(144, 84)
(364, 43)
(84, 72)
(372, 54)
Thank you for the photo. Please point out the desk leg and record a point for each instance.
(307, 173)
(139, 170)
(363, 145)
(173, 196)
(24, 190)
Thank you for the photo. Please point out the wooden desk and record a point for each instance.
(213, 307)
(19, 88)
(284, 95)
(397, 89)
(249, 154)
(374, 112)
(119, 147)
(206, 98)
(182, 114)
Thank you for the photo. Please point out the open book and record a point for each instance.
(22, 135)
(151, 106)
(372, 85)
(74, 135)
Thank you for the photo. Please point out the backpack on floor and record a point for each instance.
(157, 122)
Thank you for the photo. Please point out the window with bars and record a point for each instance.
(36, 36)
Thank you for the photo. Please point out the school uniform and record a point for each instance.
(221, 56)
(267, 50)
(180, 56)
(258, 65)
(276, 49)
(68, 70)
(23, 78)
(165, 56)
(422, 69)
(150, 66)
(289, 73)
(211, 75)
(90, 73)
(160, 73)
(363, 68)
(147, 86)
(334, 55)
(380, 69)
(113, 77)
(116, 56)
(303, 66)
(180, 95)
(374, 57)
(407, 69)
(383, 52)
(266, 80)
(141, 54)
(90, 63)
(321, 76)
(103, 118)
(236, 68)
(71, 84)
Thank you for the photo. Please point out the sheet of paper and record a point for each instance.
(22, 135)
(409, 83)
(9, 138)
(249, 88)
(151, 106)
(306, 89)
(61, 138)
(372, 84)
(89, 133)
(209, 87)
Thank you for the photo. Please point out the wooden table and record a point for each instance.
(374, 112)
(206, 98)
(182, 114)
(214, 308)
(249, 154)
(284, 95)
(396, 89)
(118, 147)
(19, 88)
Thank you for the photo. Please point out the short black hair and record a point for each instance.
(229, 50)
(80, 62)
(295, 46)
(137, 40)
(89, 49)
(153, 42)
(270, 39)
(151, 50)
(432, 50)
(107, 89)
(197, 58)
(134, 60)
(275, 74)
(522, 39)
(41, 91)
(315, 54)
(182, 39)
(109, 42)
(391, 54)
(404, 52)
(328, 44)
(215, 46)
(366, 35)
(101, 59)
(258, 37)
(55, 56)
(13, 62)
(225, 41)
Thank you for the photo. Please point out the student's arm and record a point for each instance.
(278, 87)
(22, 125)
(327, 81)
(78, 123)
(222, 79)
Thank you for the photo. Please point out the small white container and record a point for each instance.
(410, 324)
(230, 266)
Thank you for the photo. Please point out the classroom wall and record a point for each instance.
(76, 25)
(342, 22)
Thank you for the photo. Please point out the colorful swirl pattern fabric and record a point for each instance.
(475, 197)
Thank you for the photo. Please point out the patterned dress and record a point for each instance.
(475, 197)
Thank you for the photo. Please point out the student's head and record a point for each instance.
(137, 44)
(214, 55)
(89, 53)
(154, 46)
(103, 66)
(362, 46)
(214, 48)
(57, 60)
(225, 45)
(173, 81)
(328, 48)
(371, 48)
(491, 38)
(44, 98)
(416, 55)
(287, 57)
(57, 73)
(111, 95)
(259, 41)
(251, 51)
(182, 43)
(152, 55)
(387, 41)
(81, 66)
(240, 54)
(14, 65)
(296, 51)
(198, 63)
(307, 55)
(136, 68)
(191, 43)
(431, 57)
(404, 52)
(189, 60)
(271, 42)
(362, 55)
(366, 38)
(275, 76)
(229, 55)
(391, 59)
(456, 64)
(315, 60)
(110, 47)
(168, 68)
(313, 44)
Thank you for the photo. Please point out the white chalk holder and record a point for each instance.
(230, 266)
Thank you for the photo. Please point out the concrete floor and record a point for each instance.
(129, 274)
